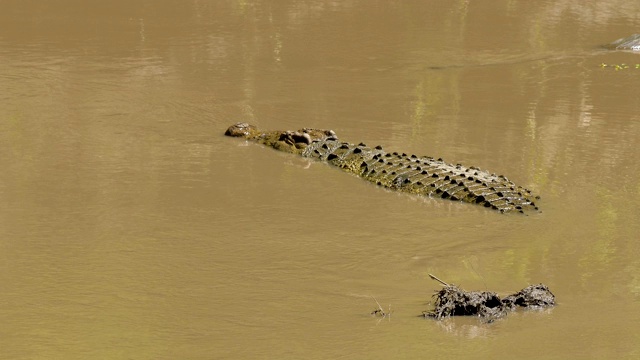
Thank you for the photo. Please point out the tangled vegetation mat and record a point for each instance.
(453, 301)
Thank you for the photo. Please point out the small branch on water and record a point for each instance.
(379, 311)
(438, 280)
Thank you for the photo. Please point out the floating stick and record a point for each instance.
(438, 280)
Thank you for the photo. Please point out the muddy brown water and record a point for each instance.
(130, 227)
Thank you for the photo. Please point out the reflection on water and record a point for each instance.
(130, 227)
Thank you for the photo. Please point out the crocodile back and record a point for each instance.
(425, 176)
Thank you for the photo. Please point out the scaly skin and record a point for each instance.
(401, 172)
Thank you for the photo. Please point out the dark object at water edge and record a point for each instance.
(629, 43)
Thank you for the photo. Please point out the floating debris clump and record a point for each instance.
(532, 296)
(454, 301)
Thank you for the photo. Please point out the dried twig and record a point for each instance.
(438, 280)
(379, 310)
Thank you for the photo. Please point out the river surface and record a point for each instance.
(131, 228)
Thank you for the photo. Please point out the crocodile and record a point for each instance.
(420, 175)
(629, 43)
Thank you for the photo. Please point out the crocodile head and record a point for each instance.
(288, 141)
(241, 130)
